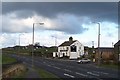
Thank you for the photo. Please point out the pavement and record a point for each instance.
(31, 73)
(70, 69)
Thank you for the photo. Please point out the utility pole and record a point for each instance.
(99, 55)
(33, 43)
(55, 40)
(19, 43)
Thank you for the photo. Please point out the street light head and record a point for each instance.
(96, 22)
(41, 23)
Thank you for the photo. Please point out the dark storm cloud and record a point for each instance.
(98, 10)
(95, 11)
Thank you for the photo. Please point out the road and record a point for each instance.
(70, 69)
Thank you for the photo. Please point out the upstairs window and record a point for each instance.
(73, 48)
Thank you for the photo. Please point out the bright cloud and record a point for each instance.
(70, 19)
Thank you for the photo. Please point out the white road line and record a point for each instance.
(56, 67)
(104, 73)
(101, 72)
(69, 66)
(44, 62)
(67, 70)
(92, 73)
(36, 61)
(49, 65)
(81, 74)
(69, 75)
(52, 64)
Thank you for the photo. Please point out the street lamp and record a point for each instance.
(19, 38)
(33, 43)
(19, 42)
(99, 56)
(55, 40)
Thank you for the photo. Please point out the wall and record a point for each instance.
(105, 54)
(80, 50)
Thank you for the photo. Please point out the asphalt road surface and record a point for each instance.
(70, 68)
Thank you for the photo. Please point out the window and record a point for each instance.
(67, 48)
(73, 48)
(79, 47)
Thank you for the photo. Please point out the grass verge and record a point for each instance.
(45, 74)
(20, 75)
(112, 66)
(7, 60)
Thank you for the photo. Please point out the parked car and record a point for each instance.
(84, 60)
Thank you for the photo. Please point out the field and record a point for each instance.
(7, 60)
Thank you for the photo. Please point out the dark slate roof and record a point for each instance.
(118, 43)
(105, 48)
(67, 43)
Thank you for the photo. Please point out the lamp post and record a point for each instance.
(99, 56)
(33, 43)
(55, 40)
(19, 38)
(19, 42)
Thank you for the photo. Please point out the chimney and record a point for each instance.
(70, 39)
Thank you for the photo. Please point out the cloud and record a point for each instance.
(59, 16)
(67, 23)
(61, 19)
(100, 11)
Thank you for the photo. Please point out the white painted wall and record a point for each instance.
(73, 55)
(80, 49)
(54, 54)
(64, 48)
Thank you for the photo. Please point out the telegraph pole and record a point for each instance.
(99, 56)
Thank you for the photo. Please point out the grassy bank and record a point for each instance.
(45, 74)
(20, 75)
(112, 66)
(7, 60)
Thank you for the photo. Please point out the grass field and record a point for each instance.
(7, 60)
(45, 74)
(112, 66)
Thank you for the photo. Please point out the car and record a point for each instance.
(84, 60)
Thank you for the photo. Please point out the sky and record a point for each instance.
(61, 21)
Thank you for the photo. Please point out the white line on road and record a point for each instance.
(92, 73)
(49, 65)
(52, 64)
(101, 72)
(81, 74)
(67, 70)
(44, 62)
(56, 67)
(69, 75)
(70, 66)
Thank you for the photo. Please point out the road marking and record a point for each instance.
(36, 61)
(44, 62)
(101, 72)
(52, 64)
(69, 75)
(81, 74)
(49, 65)
(92, 73)
(56, 67)
(70, 66)
(67, 70)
